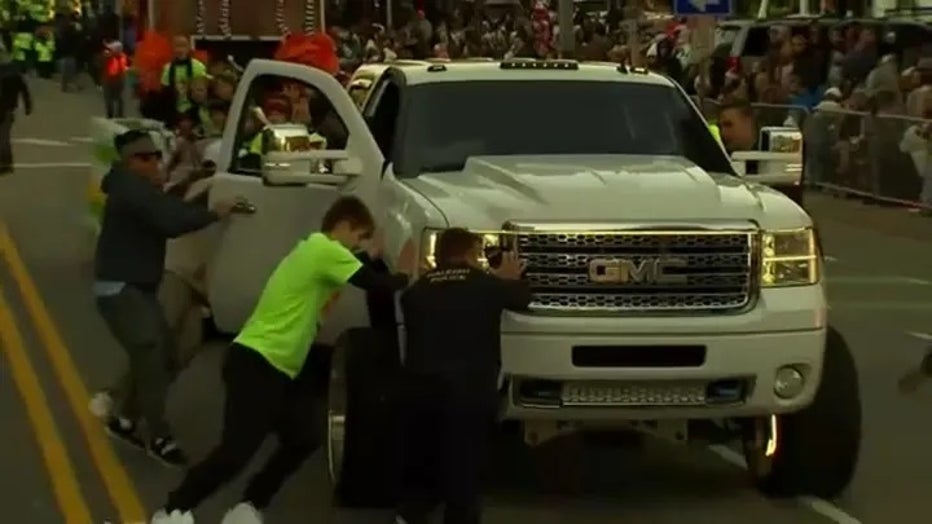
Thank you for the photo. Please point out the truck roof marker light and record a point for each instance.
(553, 65)
(628, 69)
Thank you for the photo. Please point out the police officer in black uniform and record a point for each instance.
(452, 360)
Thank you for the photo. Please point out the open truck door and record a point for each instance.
(288, 187)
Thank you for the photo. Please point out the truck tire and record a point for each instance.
(818, 447)
(362, 431)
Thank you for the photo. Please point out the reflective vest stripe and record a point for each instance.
(716, 132)
(45, 50)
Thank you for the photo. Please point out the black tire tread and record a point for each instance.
(370, 360)
(819, 446)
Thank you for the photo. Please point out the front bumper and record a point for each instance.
(787, 327)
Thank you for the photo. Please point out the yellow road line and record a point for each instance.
(119, 485)
(57, 463)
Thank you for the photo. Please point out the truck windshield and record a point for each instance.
(446, 123)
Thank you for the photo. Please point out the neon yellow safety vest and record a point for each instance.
(255, 146)
(716, 132)
(45, 50)
(39, 11)
(22, 43)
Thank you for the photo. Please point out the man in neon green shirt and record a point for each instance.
(268, 383)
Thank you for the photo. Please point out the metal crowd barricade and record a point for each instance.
(708, 107)
(780, 115)
(881, 157)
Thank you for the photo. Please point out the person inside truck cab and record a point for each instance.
(327, 123)
(276, 110)
(178, 74)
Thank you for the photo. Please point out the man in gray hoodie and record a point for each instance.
(139, 217)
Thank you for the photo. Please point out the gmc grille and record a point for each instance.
(701, 271)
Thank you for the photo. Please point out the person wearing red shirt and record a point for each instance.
(113, 81)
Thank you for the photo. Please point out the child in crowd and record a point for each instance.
(113, 78)
(199, 93)
(217, 111)
(186, 157)
(224, 86)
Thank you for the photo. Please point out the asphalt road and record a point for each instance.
(880, 286)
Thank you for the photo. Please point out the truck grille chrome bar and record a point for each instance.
(644, 270)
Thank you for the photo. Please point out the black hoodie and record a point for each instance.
(138, 220)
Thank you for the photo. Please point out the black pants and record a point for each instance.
(6, 140)
(113, 98)
(260, 400)
(446, 432)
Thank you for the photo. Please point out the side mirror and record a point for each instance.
(309, 167)
(779, 162)
(773, 169)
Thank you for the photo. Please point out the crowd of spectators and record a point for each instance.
(865, 113)
(862, 105)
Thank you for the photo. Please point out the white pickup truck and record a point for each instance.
(670, 292)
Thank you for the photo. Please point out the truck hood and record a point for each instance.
(607, 188)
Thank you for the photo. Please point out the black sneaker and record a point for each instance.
(166, 450)
(124, 429)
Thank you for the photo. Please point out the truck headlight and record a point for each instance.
(790, 258)
(492, 247)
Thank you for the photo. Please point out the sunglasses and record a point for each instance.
(149, 156)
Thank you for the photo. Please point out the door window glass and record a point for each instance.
(277, 100)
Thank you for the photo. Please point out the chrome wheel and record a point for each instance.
(336, 419)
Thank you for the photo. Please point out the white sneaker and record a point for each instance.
(101, 405)
(242, 513)
(175, 517)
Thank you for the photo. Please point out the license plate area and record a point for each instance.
(639, 356)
